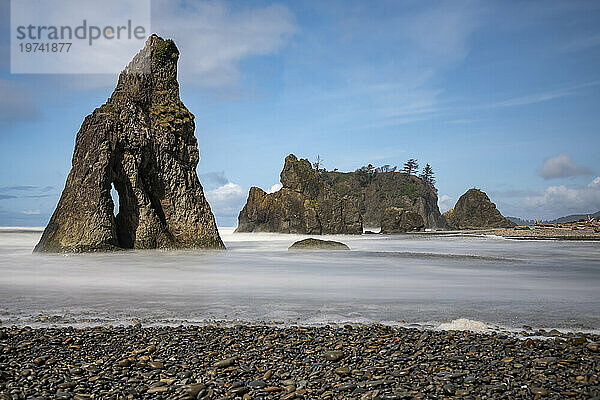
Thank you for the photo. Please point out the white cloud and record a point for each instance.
(561, 200)
(562, 166)
(31, 212)
(225, 192)
(445, 202)
(275, 188)
(214, 36)
(226, 200)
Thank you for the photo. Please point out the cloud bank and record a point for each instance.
(226, 201)
(561, 201)
(562, 166)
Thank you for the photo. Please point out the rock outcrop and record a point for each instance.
(374, 192)
(475, 210)
(305, 204)
(399, 220)
(318, 244)
(142, 142)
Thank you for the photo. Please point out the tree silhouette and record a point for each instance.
(410, 166)
(317, 163)
(428, 176)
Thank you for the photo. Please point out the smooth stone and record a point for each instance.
(342, 371)
(239, 391)
(157, 389)
(193, 390)
(335, 355)
(576, 341)
(225, 363)
(156, 365)
(449, 388)
(346, 387)
(258, 383)
(540, 391)
(124, 363)
(529, 343)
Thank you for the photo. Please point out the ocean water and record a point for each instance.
(446, 281)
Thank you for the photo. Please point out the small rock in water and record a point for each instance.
(318, 244)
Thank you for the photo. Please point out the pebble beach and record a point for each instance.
(268, 362)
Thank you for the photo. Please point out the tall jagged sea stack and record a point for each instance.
(142, 142)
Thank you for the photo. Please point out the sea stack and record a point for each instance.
(475, 210)
(305, 204)
(141, 141)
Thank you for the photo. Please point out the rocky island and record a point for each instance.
(141, 141)
(305, 204)
(475, 210)
(333, 202)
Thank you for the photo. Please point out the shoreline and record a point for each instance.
(258, 361)
(508, 233)
(544, 234)
(521, 234)
(456, 324)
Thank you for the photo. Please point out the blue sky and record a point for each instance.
(504, 96)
